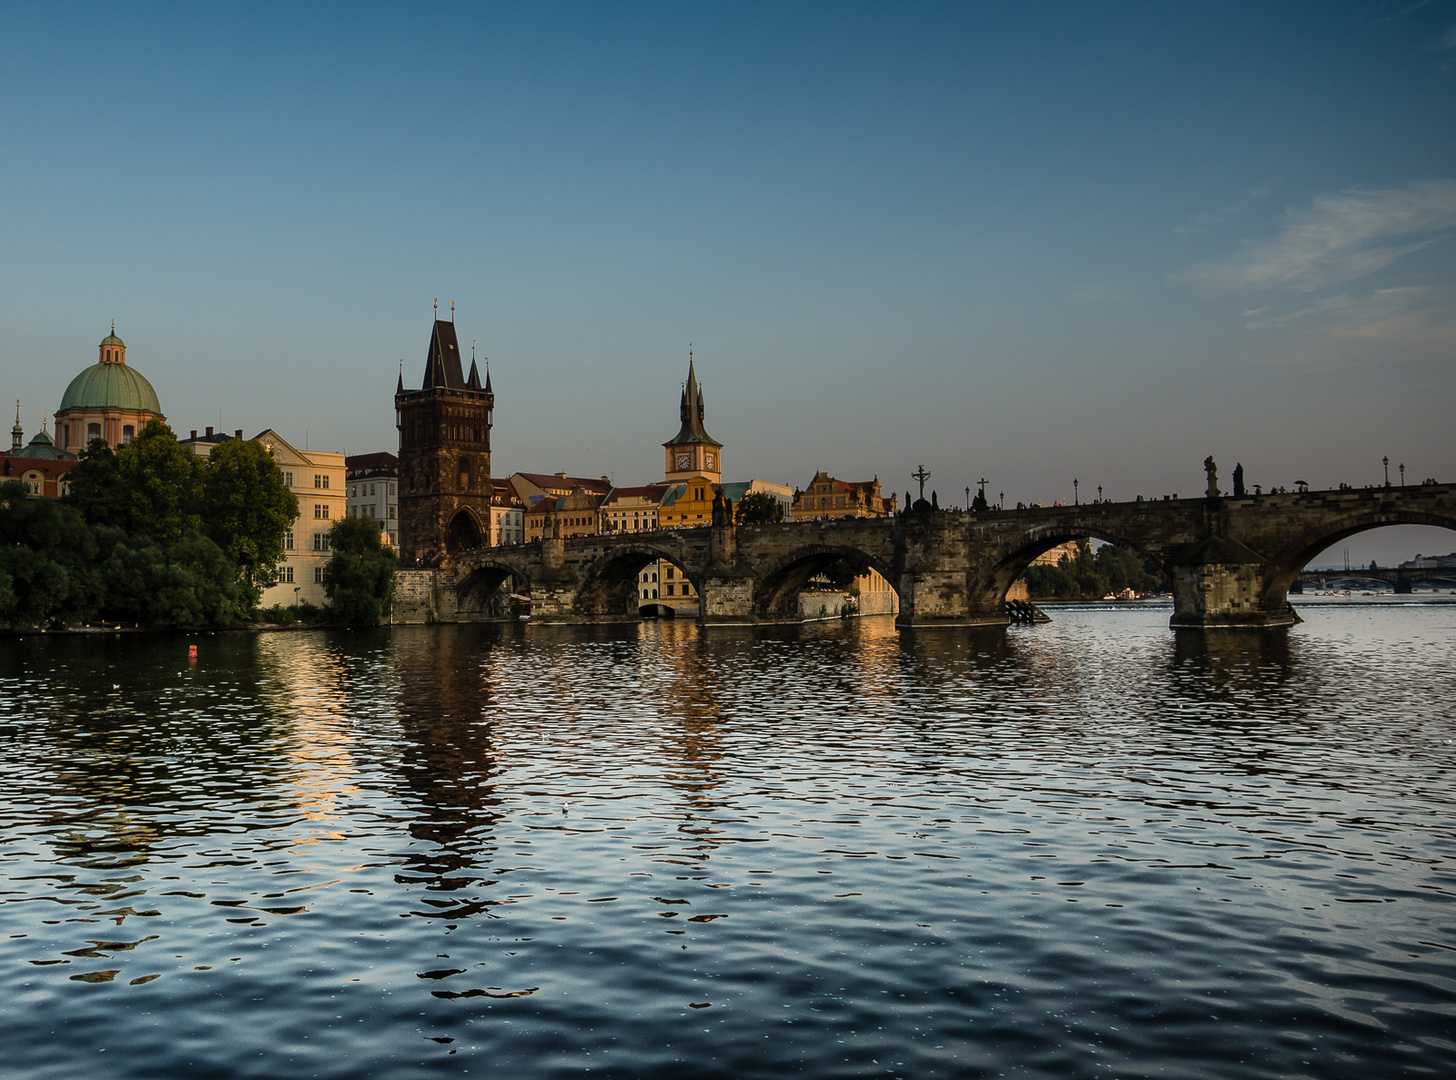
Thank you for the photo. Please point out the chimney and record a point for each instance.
(194, 434)
(239, 434)
(209, 433)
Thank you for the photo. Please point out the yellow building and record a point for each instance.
(318, 479)
(826, 497)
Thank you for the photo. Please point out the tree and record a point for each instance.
(163, 483)
(47, 559)
(758, 508)
(359, 580)
(96, 488)
(842, 572)
(246, 510)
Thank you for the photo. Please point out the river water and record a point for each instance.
(1084, 849)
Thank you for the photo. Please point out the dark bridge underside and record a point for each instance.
(1232, 561)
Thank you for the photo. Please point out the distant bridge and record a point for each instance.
(1401, 579)
(1232, 560)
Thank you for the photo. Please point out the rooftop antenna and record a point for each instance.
(452, 310)
(437, 309)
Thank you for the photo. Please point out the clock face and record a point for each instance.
(685, 461)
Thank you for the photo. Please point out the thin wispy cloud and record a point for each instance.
(1337, 238)
(1206, 219)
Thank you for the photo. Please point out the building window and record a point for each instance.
(318, 575)
(285, 575)
(668, 590)
(321, 541)
(288, 541)
(93, 432)
(288, 479)
(128, 433)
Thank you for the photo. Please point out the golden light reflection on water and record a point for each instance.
(306, 683)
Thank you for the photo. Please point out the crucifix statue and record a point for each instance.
(922, 474)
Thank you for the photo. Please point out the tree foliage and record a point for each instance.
(47, 556)
(247, 509)
(150, 534)
(359, 580)
(758, 508)
(1087, 575)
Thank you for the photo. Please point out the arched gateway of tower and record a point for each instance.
(444, 454)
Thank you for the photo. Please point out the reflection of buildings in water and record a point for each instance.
(447, 760)
(686, 684)
(306, 681)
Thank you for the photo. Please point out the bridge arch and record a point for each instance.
(609, 584)
(1017, 556)
(478, 589)
(779, 583)
(1285, 566)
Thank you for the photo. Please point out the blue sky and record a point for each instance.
(1029, 242)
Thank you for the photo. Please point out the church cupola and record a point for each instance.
(113, 349)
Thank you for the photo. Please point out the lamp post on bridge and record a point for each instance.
(1402, 474)
(1099, 492)
(1074, 492)
(968, 498)
(1386, 462)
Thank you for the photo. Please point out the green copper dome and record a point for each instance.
(110, 386)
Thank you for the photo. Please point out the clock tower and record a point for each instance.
(692, 451)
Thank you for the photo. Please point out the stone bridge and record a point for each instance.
(1401, 578)
(1231, 560)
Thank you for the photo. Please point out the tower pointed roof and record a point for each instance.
(472, 381)
(691, 409)
(442, 364)
(488, 390)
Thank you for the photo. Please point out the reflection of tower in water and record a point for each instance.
(691, 714)
(446, 763)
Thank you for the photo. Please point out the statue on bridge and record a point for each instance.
(1212, 470)
(1239, 481)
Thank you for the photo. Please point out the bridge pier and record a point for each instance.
(726, 598)
(1220, 584)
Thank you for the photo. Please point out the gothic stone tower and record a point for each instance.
(692, 451)
(444, 454)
